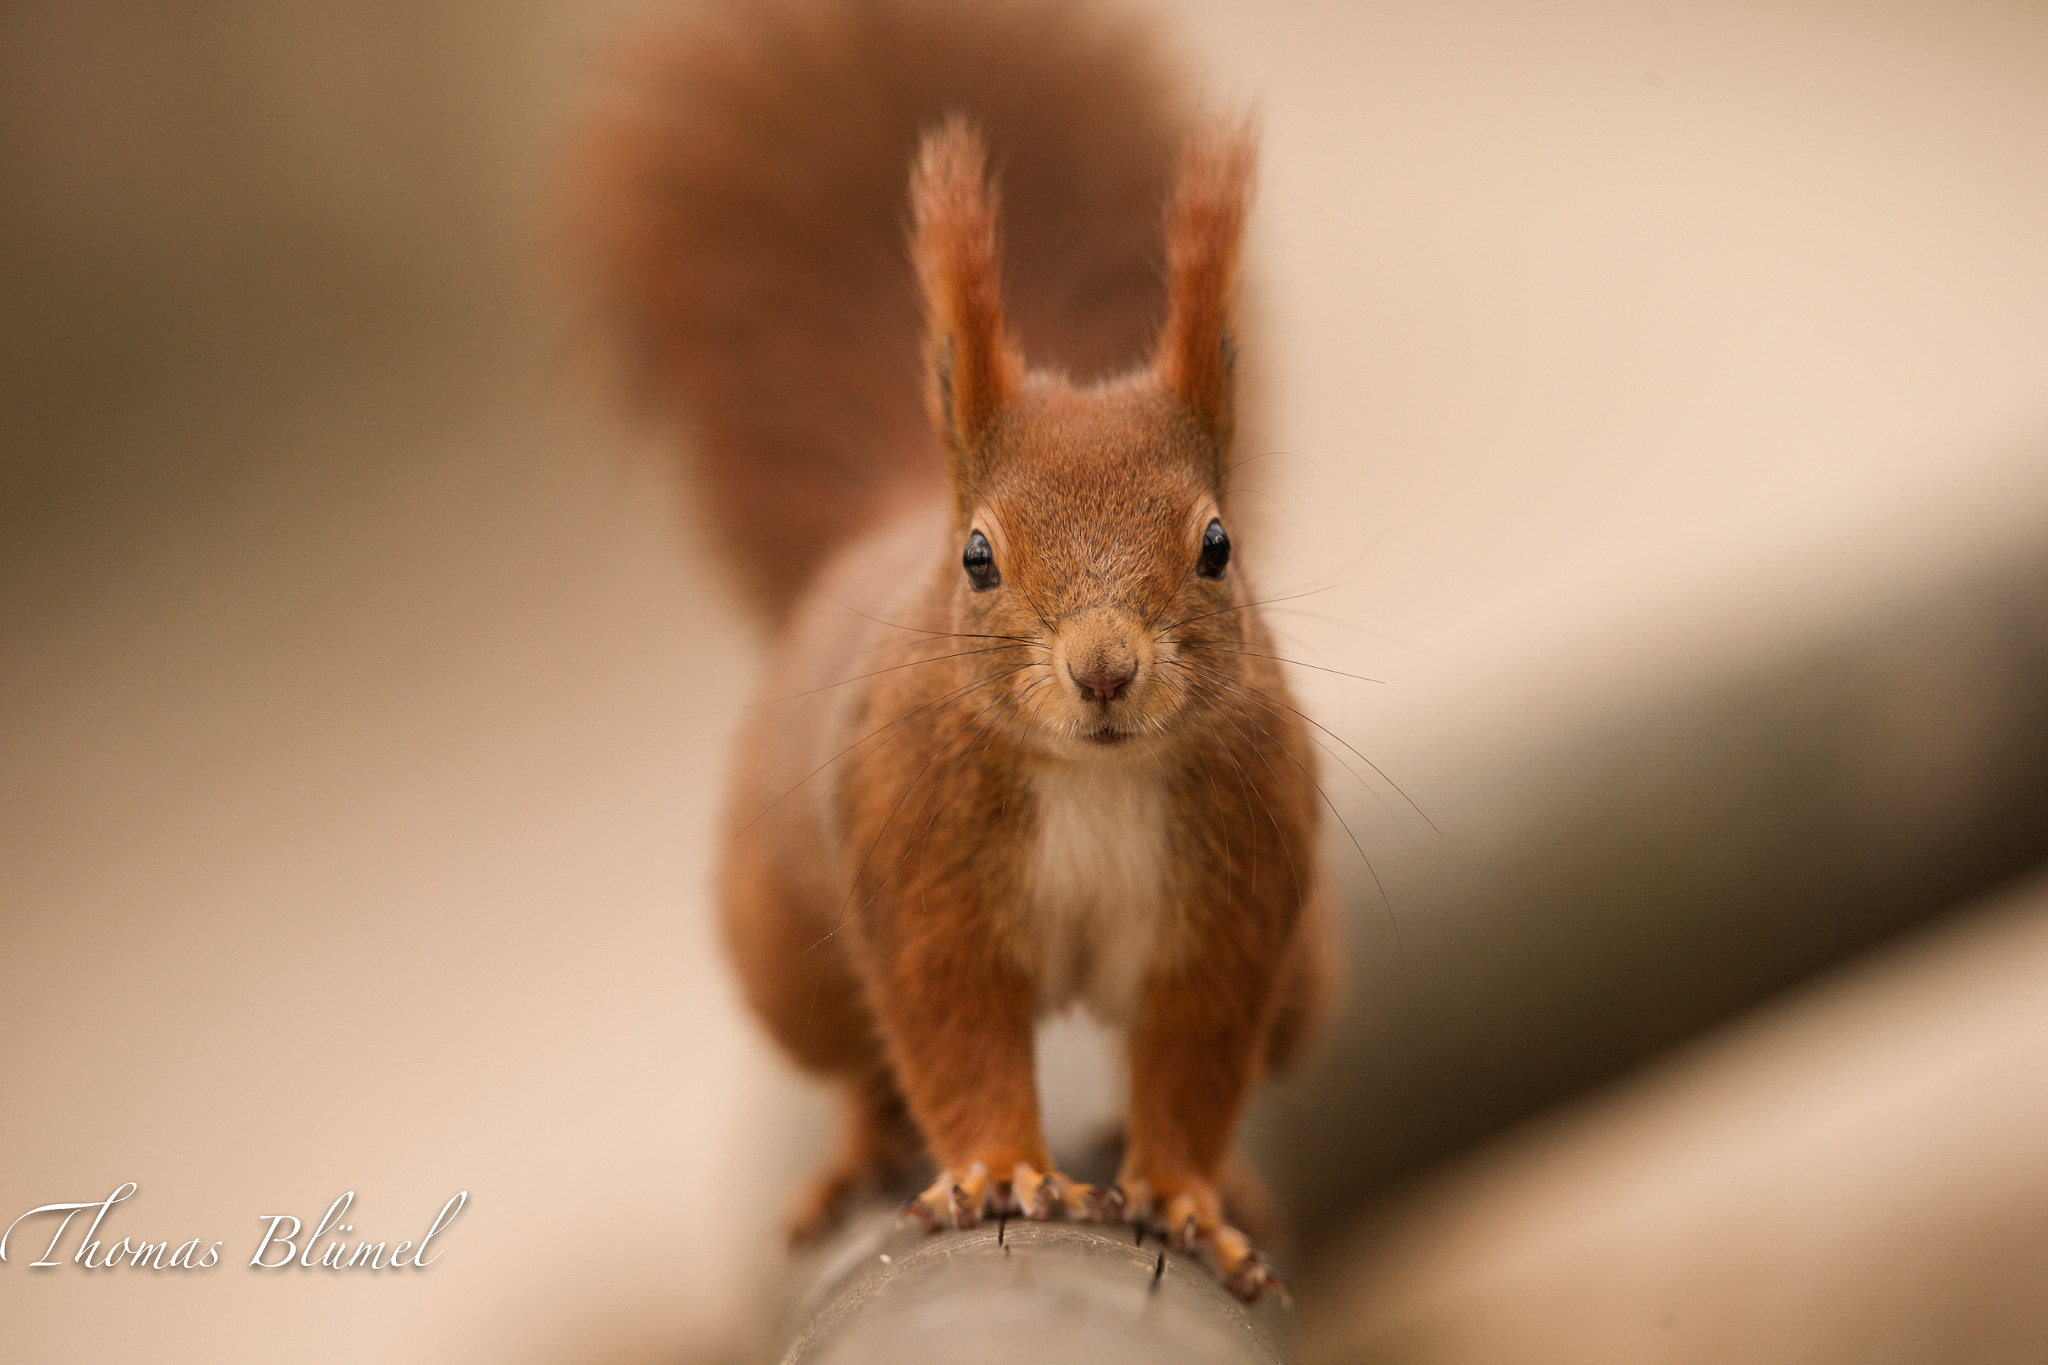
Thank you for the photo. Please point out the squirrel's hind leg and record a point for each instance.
(1310, 980)
(879, 1153)
(802, 986)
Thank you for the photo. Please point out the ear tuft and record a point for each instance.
(971, 368)
(1204, 241)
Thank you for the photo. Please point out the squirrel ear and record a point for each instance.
(972, 371)
(1204, 236)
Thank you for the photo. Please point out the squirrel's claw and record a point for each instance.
(964, 1200)
(1253, 1279)
(952, 1202)
(924, 1209)
(1035, 1194)
(1048, 1194)
(1187, 1223)
(1099, 1204)
(1244, 1272)
(1134, 1201)
(1190, 1227)
(1183, 1223)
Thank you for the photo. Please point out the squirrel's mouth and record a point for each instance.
(1107, 734)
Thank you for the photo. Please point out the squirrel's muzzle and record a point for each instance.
(1103, 652)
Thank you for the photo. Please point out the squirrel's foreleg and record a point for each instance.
(1197, 1048)
(957, 1019)
(957, 1011)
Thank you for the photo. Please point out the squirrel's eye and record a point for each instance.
(1215, 552)
(980, 563)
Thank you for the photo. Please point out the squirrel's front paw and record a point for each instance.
(1049, 1194)
(1191, 1221)
(953, 1201)
(963, 1200)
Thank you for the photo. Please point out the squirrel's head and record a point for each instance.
(1094, 539)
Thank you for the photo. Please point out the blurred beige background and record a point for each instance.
(363, 699)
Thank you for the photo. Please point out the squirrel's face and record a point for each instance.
(1094, 546)
(1098, 549)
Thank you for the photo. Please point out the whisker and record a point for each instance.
(1232, 719)
(861, 871)
(1241, 606)
(1335, 757)
(1276, 658)
(858, 677)
(1243, 778)
(1400, 947)
(853, 890)
(1023, 587)
(885, 725)
(920, 630)
(1267, 455)
(987, 729)
(1270, 701)
(1381, 635)
(1259, 493)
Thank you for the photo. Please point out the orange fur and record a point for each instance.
(735, 210)
(966, 801)
(1205, 239)
(972, 370)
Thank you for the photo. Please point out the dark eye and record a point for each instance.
(980, 563)
(1215, 552)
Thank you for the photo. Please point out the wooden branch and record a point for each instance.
(1013, 1292)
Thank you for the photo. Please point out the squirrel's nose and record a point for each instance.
(1105, 682)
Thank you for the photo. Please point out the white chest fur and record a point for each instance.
(1099, 885)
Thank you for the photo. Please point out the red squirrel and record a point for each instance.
(1022, 742)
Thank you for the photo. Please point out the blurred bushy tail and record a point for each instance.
(740, 210)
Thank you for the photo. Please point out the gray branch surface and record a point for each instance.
(1011, 1293)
